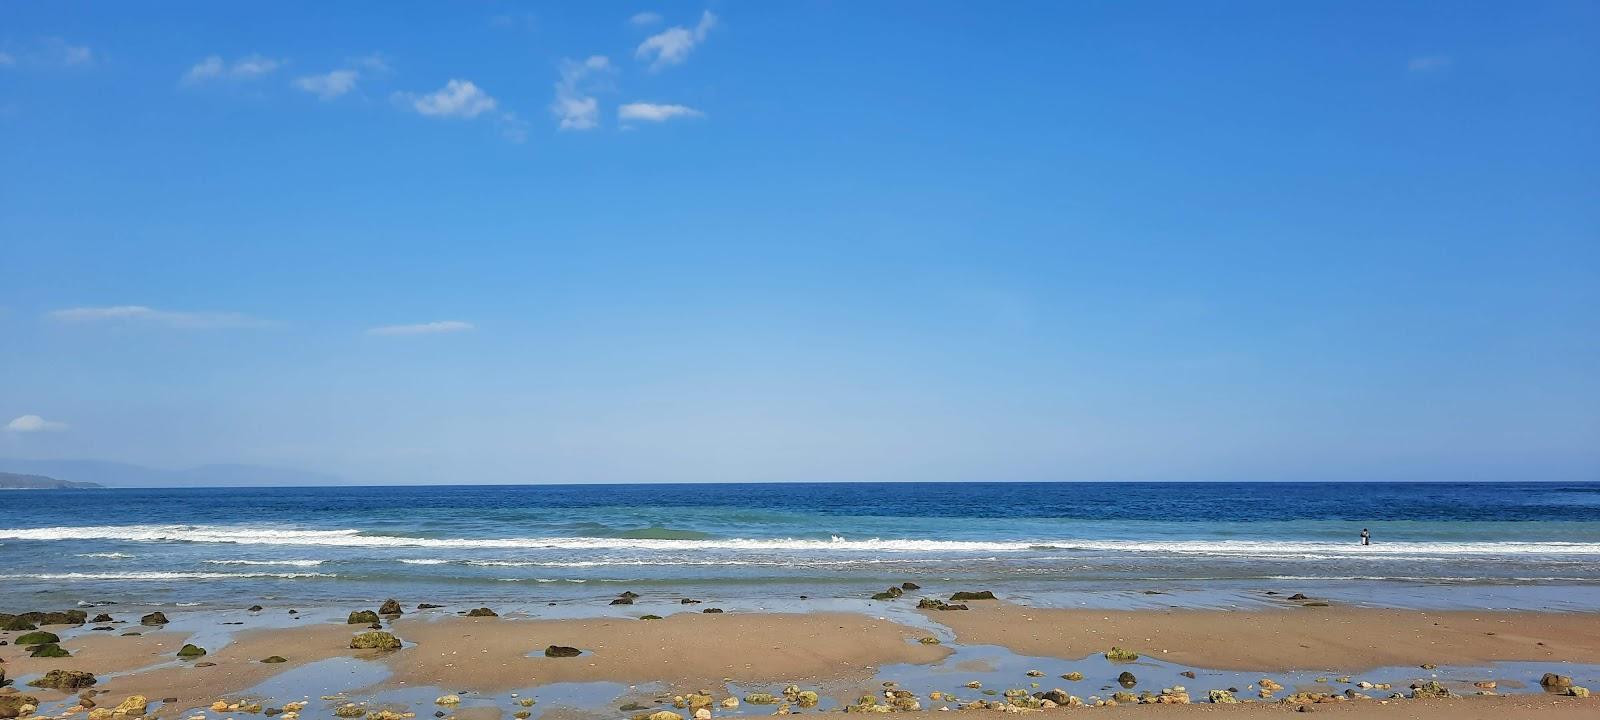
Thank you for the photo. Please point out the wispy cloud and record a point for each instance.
(672, 46)
(49, 52)
(34, 423)
(329, 85)
(428, 328)
(1428, 63)
(458, 98)
(141, 314)
(7, 59)
(213, 67)
(645, 19)
(575, 105)
(654, 112)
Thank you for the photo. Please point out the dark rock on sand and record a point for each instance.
(687, 601)
(482, 612)
(11, 705)
(1298, 596)
(622, 601)
(561, 651)
(1057, 696)
(15, 623)
(631, 595)
(427, 606)
(1552, 680)
(64, 680)
(1117, 654)
(1188, 674)
(155, 618)
(375, 640)
(711, 611)
(103, 618)
(190, 650)
(1127, 680)
(49, 650)
(910, 586)
(390, 607)
(256, 608)
(1429, 689)
(890, 594)
(650, 617)
(38, 637)
(65, 617)
(362, 617)
(275, 659)
(968, 595)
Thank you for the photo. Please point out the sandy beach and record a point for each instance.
(643, 664)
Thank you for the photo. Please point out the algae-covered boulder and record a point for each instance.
(1222, 697)
(893, 592)
(482, 612)
(274, 659)
(133, 705)
(561, 651)
(37, 637)
(1126, 679)
(103, 618)
(155, 618)
(1074, 676)
(664, 715)
(191, 651)
(362, 617)
(1578, 691)
(49, 650)
(375, 640)
(1552, 680)
(349, 710)
(1429, 689)
(390, 607)
(11, 705)
(761, 698)
(16, 623)
(64, 680)
(1117, 654)
(968, 595)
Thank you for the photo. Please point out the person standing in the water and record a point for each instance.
(1366, 537)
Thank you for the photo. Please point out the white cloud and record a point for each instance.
(645, 19)
(375, 62)
(575, 105)
(213, 67)
(672, 46)
(1428, 63)
(34, 423)
(429, 328)
(653, 112)
(148, 315)
(458, 98)
(330, 85)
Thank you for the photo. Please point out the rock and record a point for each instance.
(729, 703)
(1429, 666)
(64, 680)
(390, 607)
(687, 601)
(1268, 685)
(427, 606)
(809, 698)
(12, 705)
(561, 651)
(133, 705)
(37, 637)
(205, 664)
(1552, 680)
(49, 650)
(967, 595)
(375, 640)
(362, 617)
(761, 698)
(349, 710)
(649, 617)
(482, 612)
(624, 601)
(664, 715)
(1117, 654)
(155, 618)
(256, 608)
(1074, 676)
(930, 640)
(102, 618)
(275, 659)
(1188, 674)
(1429, 689)
(1222, 697)
(100, 714)
(1578, 691)
(16, 623)
(1035, 673)
(910, 586)
(711, 611)
(933, 604)
(191, 651)
(1057, 696)
(1127, 680)
(447, 700)
(1298, 596)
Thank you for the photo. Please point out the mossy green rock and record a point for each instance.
(16, 623)
(38, 637)
(561, 651)
(65, 680)
(49, 650)
(375, 640)
(761, 698)
(155, 618)
(965, 595)
(362, 617)
(650, 617)
(275, 659)
(191, 651)
(1117, 654)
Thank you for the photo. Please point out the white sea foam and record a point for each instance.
(250, 535)
(289, 563)
(108, 556)
(158, 575)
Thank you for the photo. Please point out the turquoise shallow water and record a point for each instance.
(1489, 545)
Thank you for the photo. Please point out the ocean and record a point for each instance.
(1501, 545)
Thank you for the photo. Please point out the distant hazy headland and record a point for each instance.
(103, 473)
(14, 481)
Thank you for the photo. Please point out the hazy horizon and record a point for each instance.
(741, 242)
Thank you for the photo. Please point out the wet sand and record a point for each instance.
(1332, 639)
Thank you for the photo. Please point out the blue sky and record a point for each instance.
(483, 241)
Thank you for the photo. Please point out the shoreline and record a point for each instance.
(629, 660)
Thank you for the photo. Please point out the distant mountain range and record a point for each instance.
(115, 474)
(14, 481)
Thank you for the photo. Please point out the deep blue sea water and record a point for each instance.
(1202, 543)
